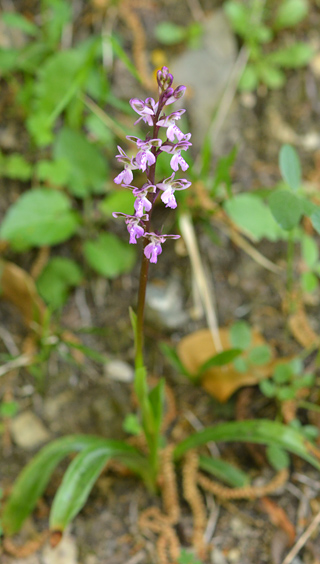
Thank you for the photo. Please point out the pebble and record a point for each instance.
(28, 431)
(119, 371)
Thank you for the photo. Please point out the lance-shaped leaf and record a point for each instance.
(34, 478)
(82, 474)
(260, 431)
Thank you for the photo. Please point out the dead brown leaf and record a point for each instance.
(221, 382)
(300, 328)
(18, 287)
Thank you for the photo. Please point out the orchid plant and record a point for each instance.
(93, 452)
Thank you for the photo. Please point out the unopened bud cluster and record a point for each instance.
(148, 150)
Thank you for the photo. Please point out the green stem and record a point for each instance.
(139, 363)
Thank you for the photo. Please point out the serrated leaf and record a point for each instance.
(40, 217)
(109, 256)
(88, 169)
(290, 167)
(261, 431)
(286, 208)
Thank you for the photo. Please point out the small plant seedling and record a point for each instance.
(257, 23)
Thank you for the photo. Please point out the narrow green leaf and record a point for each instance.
(290, 167)
(81, 475)
(224, 471)
(277, 457)
(261, 431)
(219, 359)
(171, 354)
(34, 478)
(118, 50)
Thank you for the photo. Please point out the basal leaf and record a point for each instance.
(261, 431)
(81, 475)
(34, 478)
(224, 471)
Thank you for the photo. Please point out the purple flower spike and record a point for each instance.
(153, 113)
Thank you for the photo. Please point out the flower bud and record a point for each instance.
(164, 79)
(179, 92)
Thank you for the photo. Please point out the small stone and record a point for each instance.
(28, 431)
(234, 555)
(64, 553)
(119, 371)
(217, 557)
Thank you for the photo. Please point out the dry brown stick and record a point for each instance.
(302, 540)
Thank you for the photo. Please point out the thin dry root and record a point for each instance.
(247, 492)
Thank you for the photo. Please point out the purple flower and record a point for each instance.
(142, 203)
(133, 225)
(125, 175)
(175, 95)
(169, 186)
(144, 156)
(175, 150)
(147, 110)
(153, 249)
(169, 122)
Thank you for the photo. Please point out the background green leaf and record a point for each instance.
(290, 167)
(109, 256)
(40, 217)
